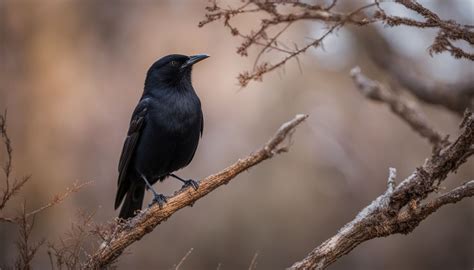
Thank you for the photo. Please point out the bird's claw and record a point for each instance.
(191, 183)
(160, 199)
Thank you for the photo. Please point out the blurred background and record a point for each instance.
(71, 73)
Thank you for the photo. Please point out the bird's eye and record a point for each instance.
(174, 63)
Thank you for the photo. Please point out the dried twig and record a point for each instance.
(302, 11)
(253, 263)
(134, 229)
(26, 249)
(26, 219)
(183, 259)
(448, 29)
(54, 201)
(10, 188)
(59, 198)
(70, 252)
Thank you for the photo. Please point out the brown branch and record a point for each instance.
(71, 250)
(398, 210)
(6, 140)
(54, 201)
(301, 11)
(133, 230)
(59, 198)
(27, 250)
(414, 118)
(411, 215)
(25, 221)
(10, 188)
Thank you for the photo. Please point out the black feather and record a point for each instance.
(164, 130)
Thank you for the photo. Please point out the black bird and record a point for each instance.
(163, 134)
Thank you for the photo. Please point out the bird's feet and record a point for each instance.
(190, 183)
(187, 183)
(160, 199)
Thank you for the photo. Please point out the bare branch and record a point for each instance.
(301, 11)
(70, 252)
(398, 210)
(134, 229)
(253, 263)
(278, 13)
(448, 29)
(414, 118)
(6, 140)
(183, 259)
(25, 220)
(27, 250)
(54, 201)
(59, 198)
(423, 211)
(10, 189)
(406, 73)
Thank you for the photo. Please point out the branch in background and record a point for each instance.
(448, 29)
(183, 259)
(417, 214)
(134, 229)
(253, 263)
(27, 250)
(415, 119)
(261, 37)
(57, 199)
(71, 250)
(400, 209)
(10, 188)
(406, 73)
(25, 220)
(279, 15)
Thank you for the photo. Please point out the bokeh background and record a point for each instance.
(72, 72)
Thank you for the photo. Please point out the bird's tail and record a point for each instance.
(133, 200)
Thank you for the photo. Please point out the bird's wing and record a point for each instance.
(202, 123)
(136, 125)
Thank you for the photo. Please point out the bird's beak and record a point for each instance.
(193, 59)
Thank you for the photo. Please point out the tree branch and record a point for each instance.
(409, 114)
(300, 11)
(407, 73)
(449, 30)
(279, 13)
(453, 196)
(398, 210)
(133, 230)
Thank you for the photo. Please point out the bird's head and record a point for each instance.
(172, 70)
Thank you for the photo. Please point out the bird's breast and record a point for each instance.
(176, 115)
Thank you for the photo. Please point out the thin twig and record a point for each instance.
(183, 259)
(253, 263)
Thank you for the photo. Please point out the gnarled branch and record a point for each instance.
(133, 230)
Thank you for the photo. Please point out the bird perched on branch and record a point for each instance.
(163, 134)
